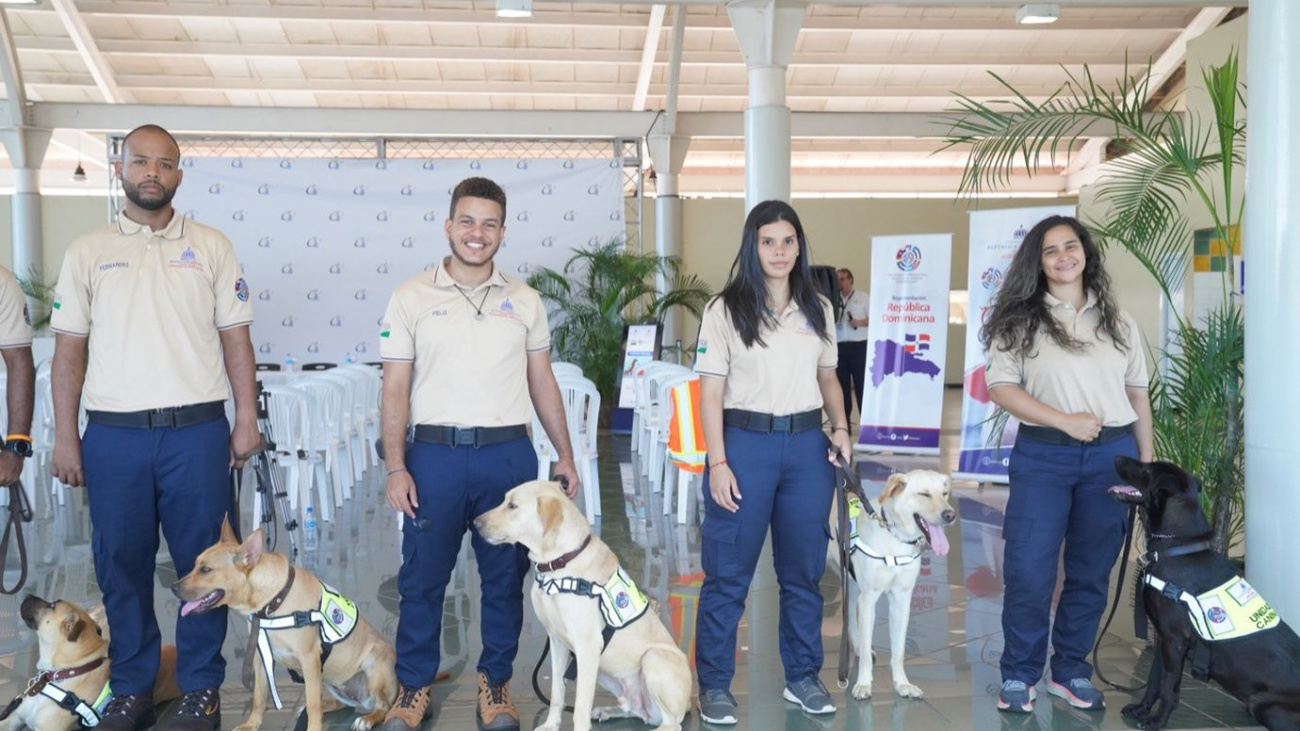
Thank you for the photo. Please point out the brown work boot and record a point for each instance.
(409, 710)
(495, 709)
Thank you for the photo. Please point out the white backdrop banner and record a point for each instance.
(903, 397)
(995, 236)
(323, 243)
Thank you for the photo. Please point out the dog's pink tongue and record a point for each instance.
(188, 607)
(938, 540)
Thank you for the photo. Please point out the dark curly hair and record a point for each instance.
(478, 188)
(1020, 311)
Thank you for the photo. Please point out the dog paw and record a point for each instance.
(548, 727)
(362, 724)
(605, 713)
(907, 690)
(862, 691)
(1133, 710)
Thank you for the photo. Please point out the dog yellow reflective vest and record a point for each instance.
(335, 618)
(1229, 611)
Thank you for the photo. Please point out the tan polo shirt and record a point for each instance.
(15, 322)
(1092, 380)
(780, 378)
(469, 371)
(151, 303)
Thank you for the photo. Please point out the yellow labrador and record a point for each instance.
(641, 665)
(909, 516)
(360, 671)
(73, 663)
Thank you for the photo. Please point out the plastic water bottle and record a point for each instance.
(289, 363)
(310, 541)
(348, 359)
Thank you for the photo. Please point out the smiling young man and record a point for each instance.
(466, 351)
(151, 318)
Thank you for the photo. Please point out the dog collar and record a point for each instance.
(44, 684)
(274, 605)
(562, 561)
(36, 684)
(1186, 549)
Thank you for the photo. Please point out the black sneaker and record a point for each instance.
(127, 713)
(717, 707)
(200, 711)
(810, 694)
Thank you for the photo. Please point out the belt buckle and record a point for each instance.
(162, 418)
(782, 423)
(465, 437)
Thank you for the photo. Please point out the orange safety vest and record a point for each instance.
(686, 447)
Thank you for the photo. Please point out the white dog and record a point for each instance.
(580, 591)
(886, 559)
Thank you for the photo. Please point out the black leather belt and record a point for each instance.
(174, 417)
(1056, 436)
(769, 423)
(468, 436)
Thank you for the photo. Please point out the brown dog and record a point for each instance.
(641, 665)
(360, 669)
(73, 660)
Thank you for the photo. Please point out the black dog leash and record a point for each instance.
(20, 511)
(1119, 591)
(849, 484)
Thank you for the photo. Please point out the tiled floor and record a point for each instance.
(953, 644)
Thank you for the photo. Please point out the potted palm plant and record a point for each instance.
(1171, 169)
(602, 289)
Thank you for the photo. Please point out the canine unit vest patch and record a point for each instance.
(855, 510)
(621, 602)
(1234, 609)
(338, 614)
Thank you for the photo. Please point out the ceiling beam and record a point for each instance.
(15, 87)
(649, 50)
(1086, 166)
(358, 52)
(425, 87)
(85, 43)
(628, 17)
(265, 121)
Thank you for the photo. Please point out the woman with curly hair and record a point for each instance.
(1068, 363)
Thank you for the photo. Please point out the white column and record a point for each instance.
(766, 32)
(1272, 230)
(26, 147)
(669, 154)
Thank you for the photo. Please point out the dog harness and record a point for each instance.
(335, 618)
(1229, 611)
(621, 602)
(44, 684)
(856, 545)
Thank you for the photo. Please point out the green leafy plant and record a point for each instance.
(602, 289)
(40, 291)
(1170, 165)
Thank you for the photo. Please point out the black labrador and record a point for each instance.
(1261, 669)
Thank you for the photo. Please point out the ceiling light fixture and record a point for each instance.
(514, 8)
(79, 174)
(1038, 13)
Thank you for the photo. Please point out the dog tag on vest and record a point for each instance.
(339, 613)
(621, 601)
(855, 510)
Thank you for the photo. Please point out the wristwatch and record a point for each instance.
(19, 446)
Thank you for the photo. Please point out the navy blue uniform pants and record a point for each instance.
(1059, 494)
(456, 485)
(786, 483)
(852, 372)
(137, 480)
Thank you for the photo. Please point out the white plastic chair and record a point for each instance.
(659, 415)
(301, 445)
(560, 368)
(335, 420)
(582, 415)
(642, 423)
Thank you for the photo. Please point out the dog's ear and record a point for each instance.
(252, 549)
(896, 483)
(227, 533)
(551, 512)
(73, 627)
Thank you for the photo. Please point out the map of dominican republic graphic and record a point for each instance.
(892, 358)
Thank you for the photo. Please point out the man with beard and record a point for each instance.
(466, 349)
(146, 314)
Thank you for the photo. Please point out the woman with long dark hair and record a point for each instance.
(766, 361)
(1067, 362)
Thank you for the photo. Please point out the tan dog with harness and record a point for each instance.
(71, 686)
(590, 608)
(298, 621)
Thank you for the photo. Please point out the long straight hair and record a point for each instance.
(745, 294)
(1020, 311)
